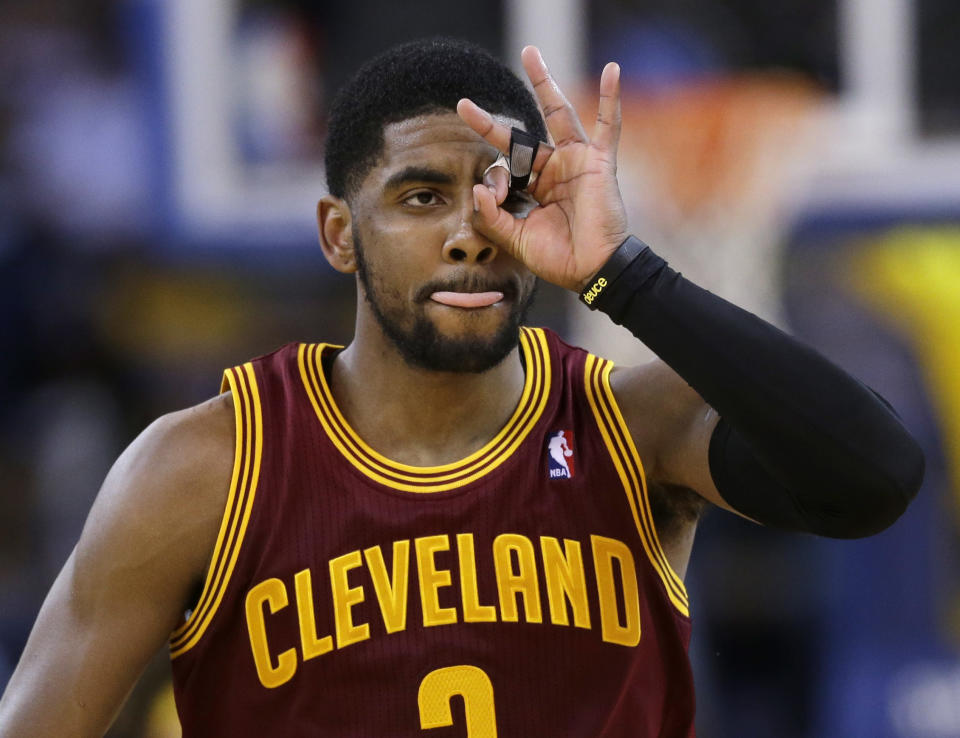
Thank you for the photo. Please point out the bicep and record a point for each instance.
(84, 654)
(671, 425)
(121, 592)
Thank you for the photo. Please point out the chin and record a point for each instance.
(467, 350)
(465, 325)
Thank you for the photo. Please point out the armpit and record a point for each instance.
(676, 510)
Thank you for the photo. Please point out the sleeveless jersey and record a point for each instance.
(518, 592)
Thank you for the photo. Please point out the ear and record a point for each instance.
(336, 235)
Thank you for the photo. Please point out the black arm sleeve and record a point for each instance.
(802, 445)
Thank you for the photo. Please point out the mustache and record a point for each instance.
(468, 283)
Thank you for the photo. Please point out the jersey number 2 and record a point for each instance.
(469, 682)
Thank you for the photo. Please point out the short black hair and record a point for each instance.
(416, 78)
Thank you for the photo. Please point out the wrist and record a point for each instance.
(597, 289)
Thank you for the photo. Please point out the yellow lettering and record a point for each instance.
(391, 590)
(605, 550)
(595, 289)
(310, 644)
(564, 575)
(469, 682)
(431, 579)
(344, 598)
(273, 592)
(473, 611)
(523, 581)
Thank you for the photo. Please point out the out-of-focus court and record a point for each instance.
(160, 162)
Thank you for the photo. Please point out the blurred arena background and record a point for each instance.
(160, 161)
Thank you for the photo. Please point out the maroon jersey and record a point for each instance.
(520, 591)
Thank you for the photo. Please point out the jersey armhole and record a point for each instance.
(248, 451)
(626, 459)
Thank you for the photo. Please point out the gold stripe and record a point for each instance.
(638, 471)
(232, 513)
(457, 474)
(634, 484)
(516, 433)
(201, 620)
(596, 380)
(634, 467)
(456, 468)
(227, 520)
(240, 515)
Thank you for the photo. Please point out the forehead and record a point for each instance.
(440, 139)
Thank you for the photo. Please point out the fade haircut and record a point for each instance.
(416, 78)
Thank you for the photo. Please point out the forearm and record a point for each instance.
(838, 459)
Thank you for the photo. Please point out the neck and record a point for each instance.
(417, 416)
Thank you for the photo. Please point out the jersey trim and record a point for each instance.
(376, 466)
(242, 382)
(625, 458)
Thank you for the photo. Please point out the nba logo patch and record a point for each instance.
(560, 455)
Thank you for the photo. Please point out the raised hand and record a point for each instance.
(580, 219)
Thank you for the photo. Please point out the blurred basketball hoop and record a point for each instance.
(711, 175)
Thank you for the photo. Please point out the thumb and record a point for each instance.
(493, 222)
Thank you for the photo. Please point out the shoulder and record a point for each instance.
(191, 435)
(163, 499)
(181, 454)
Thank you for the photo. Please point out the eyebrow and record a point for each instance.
(418, 174)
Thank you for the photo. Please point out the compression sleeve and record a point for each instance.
(802, 445)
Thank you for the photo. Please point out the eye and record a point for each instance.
(422, 198)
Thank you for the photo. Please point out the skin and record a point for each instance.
(148, 539)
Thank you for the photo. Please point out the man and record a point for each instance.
(356, 541)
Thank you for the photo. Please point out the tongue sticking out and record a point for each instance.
(467, 299)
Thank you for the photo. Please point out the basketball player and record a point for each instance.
(372, 541)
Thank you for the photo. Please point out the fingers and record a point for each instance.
(561, 118)
(494, 222)
(606, 132)
(497, 180)
(496, 132)
(493, 131)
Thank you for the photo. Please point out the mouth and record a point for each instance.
(467, 300)
(468, 294)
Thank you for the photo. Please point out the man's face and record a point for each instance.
(448, 298)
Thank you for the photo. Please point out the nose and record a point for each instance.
(465, 245)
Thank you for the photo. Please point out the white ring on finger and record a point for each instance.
(501, 162)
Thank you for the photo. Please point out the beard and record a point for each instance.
(420, 343)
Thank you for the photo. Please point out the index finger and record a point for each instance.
(495, 132)
(486, 125)
(561, 118)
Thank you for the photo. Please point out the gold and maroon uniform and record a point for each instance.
(518, 592)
